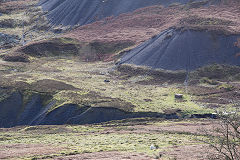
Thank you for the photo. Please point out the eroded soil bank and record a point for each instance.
(40, 109)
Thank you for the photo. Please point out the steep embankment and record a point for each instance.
(72, 12)
(185, 50)
(86, 51)
(21, 108)
(50, 102)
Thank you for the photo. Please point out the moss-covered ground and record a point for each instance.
(71, 81)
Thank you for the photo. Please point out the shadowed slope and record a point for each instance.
(72, 12)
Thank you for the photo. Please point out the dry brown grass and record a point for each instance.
(18, 150)
(137, 26)
(107, 156)
(147, 22)
(225, 18)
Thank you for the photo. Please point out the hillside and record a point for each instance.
(83, 12)
(116, 79)
(144, 23)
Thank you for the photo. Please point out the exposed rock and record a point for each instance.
(106, 80)
(15, 110)
(178, 96)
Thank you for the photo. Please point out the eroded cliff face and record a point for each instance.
(19, 108)
(39, 109)
(29, 108)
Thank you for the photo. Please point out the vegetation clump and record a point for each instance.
(226, 87)
(208, 81)
(158, 75)
(225, 137)
(216, 71)
(16, 57)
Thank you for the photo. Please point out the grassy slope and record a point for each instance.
(89, 78)
(138, 93)
(118, 136)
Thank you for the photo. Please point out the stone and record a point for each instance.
(179, 96)
(107, 81)
(152, 147)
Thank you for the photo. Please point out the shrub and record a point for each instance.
(16, 57)
(208, 81)
(226, 87)
(225, 138)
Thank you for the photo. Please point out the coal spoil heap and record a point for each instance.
(185, 50)
(81, 12)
